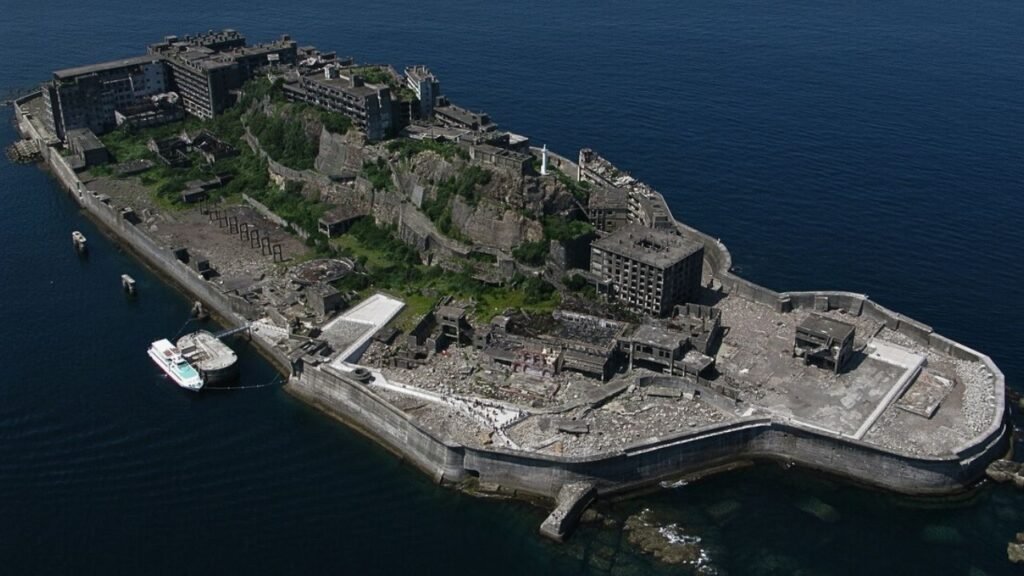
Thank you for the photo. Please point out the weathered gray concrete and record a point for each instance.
(618, 471)
(572, 500)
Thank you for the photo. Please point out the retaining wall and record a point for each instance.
(645, 463)
(233, 310)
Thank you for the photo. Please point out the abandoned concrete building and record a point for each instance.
(324, 299)
(89, 96)
(84, 144)
(153, 111)
(449, 114)
(344, 91)
(823, 341)
(207, 70)
(607, 208)
(517, 162)
(648, 270)
(701, 324)
(453, 323)
(425, 86)
(339, 220)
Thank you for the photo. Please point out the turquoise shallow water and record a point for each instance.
(873, 148)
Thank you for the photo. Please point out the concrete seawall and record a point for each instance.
(646, 463)
(231, 309)
(622, 471)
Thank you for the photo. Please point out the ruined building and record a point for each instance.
(343, 90)
(205, 70)
(425, 86)
(646, 269)
(208, 69)
(88, 97)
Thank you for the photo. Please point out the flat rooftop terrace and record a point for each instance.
(861, 401)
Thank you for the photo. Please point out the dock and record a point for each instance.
(214, 360)
(79, 242)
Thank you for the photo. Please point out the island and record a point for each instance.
(505, 318)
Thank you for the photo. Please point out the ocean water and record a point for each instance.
(872, 147)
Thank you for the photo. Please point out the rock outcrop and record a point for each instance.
(666, 543)
(340, 155)
(1015, 550)
(1003, 471)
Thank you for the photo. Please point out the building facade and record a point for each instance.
(87, 97)
(369, 106)
(647, 270)
(425, 86)
(208, 69)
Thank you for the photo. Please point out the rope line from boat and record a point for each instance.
(274, 382)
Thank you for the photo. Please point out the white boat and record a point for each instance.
(170, 360)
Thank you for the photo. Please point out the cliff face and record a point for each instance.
(340, 155)
(500, 212)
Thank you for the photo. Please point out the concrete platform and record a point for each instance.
(352, 331)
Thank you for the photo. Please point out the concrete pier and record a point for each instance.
(79, 242)
(128, 284)
(214, 360)
(572, 500)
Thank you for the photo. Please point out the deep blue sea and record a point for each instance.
(876, 147)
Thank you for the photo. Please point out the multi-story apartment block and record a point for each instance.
(88, 96)
(647, 269)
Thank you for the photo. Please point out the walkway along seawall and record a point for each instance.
(232, 310)
(633, 468)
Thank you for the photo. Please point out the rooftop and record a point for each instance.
(827, 327)
(657, 248)
(419, 73)
(85, 139)
(69, 73)
(608, 197)
(657, 336)
(463, 115)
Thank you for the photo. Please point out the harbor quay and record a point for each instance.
(654, 362)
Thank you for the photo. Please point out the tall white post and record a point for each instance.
(544, 160)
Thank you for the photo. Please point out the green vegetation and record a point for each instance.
(532, 253)
(464, 185)
(291, 205)
(385, 262)
(335, 122)
(407, 148)
(483, 257)
(256, 90)
(379, 174)
(376, 75)
(557, 228)
(285, 139)
(285, 132)
(389, 264)
(579, 190)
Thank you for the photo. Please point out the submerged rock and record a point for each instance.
(819, 509)
(941, 534)
(668, 543)
(724, 511)
(1006, 471)
(1015, 550)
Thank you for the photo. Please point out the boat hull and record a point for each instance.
(193, 386)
